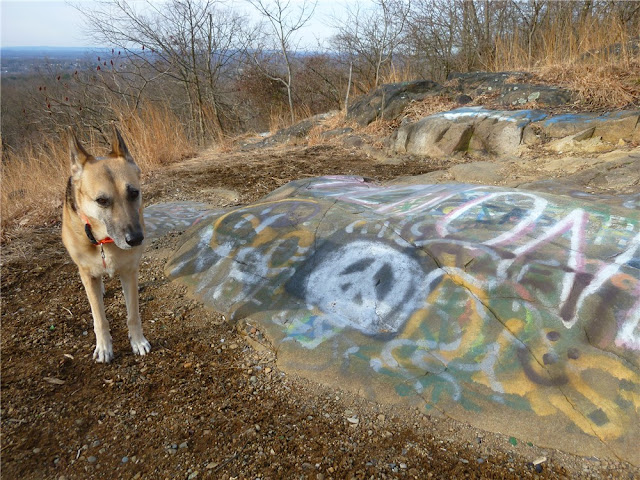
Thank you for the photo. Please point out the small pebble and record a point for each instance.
(37, 450)
(92, 459)
(184, 445)
(125, 459)
(193, 475)
(96, 443)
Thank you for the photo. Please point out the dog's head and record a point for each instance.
(106, 191)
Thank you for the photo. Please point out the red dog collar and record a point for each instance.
(87, 230)
(92, 239)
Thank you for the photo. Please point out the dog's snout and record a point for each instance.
(134, 238)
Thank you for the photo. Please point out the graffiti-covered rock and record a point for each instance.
(498, 132)
(464, 129)
(610, 127)
(515, 311)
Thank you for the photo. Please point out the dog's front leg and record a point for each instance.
(139, 344)
(104, 347)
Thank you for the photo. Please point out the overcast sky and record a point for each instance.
(55, 23)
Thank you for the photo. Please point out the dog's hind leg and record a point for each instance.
(104, 347)
(139, 344)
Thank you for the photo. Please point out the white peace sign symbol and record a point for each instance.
(370, 286)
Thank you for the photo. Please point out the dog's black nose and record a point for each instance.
(134, 238)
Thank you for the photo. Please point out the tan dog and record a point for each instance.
(103, 230)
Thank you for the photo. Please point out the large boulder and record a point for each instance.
(389, 101)
(511, 88)
(464, 129)
(514, 311)
(610, 127)
(503, 132)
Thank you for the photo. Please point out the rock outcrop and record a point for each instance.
(510, 88)
(389, 101)
(511, 310)
(502, 132)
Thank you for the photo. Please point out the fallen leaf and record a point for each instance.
(54, 381)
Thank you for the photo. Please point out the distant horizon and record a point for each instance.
(56, 23)
(49, 47)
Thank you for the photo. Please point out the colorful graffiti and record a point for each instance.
(456, 294)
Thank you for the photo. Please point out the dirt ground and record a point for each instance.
(209, 401)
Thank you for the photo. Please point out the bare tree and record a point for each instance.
(530, 15)
(191, 43)
(284, 22)
(432, 37)
(368, 37)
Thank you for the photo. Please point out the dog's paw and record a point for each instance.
(140, 346)
(103, 353)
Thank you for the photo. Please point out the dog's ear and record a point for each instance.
(118, 147)
(79, 156)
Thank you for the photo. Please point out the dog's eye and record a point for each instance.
(133, 194)
(103, 201)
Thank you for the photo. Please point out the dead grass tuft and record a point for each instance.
(34, 177)
(429, 106)
(33, 182)
(599, 87)
(339, 120)
(155, 137)
(280, 116)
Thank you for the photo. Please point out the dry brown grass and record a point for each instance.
(338, 120)
(34, 178)
(595, 56)
(561, 39)
(280, 116)
(429, 106)
(599, 87)
(33, 182)
(395, 74)
(155, 137)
